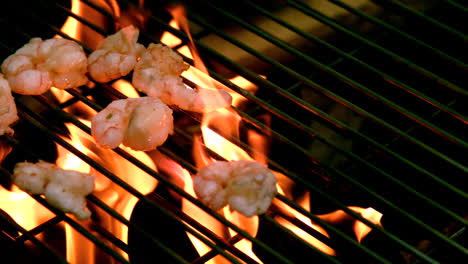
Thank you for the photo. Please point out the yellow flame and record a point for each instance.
(23, 208)
(304, 203)
(126, 88)
(109, 192)
(170, 39)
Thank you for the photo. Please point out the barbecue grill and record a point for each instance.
(362, 103)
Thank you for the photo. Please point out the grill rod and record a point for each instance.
(82, 125)
(340, 124)
(192, 169)
(406, 9)
(135, 161)
(123, 153)
(350, 57)
(313, 109)
(391, 28)
(311, 132)
(322, 18)
(315, 85)
(120, 182)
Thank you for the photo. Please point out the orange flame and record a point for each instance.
(79, 249)
(170, 39)
(227, 123)
(178, 175)
(304, 203)
(80, 31)
(360, 229)
(126, 88)
(123, 202)
(215, 142)
(26, 211)
(109, 192)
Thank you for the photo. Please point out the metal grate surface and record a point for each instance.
(364, 103)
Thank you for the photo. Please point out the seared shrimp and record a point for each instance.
(39, 65)
(116, 55)
(139, 123)
(63, 189)
(158, 74)
(247, 186)
(8, 113)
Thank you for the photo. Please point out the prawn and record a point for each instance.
(247, 186)
(8, 112)
(141, 123)
(158, 74)
(39, 65)
(115, 56)
(63, 189)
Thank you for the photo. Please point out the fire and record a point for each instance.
(80, 249)
(109, 192)
(360, 229)
(219, 125)
(125, 88)
(304, 203)
(198, 74)
(214, 141)
(26, 211)
(170, 39)
(79, 31)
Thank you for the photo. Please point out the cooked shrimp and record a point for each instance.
(158, 74)
(116, 55)
(8, 113)
(63, 189)
(39, 65)
(210, 184)
(139, 123)
(247, 186)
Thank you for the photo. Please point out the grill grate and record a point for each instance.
(369, 97)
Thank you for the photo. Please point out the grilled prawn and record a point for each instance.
(64, 189)
(116, 55)
(39, 65)
(139, 123)
(8, 113)
(247, 186)
(158, 74)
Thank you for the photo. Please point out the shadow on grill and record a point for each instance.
(359, 107)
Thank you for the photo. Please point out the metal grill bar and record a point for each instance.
(308, 106)
(303, 126)
(31, 237)
(112, 211)
(336, 122)
(394, 29)
(422, 16)
(170, 184)
(219, 246)
(457, 5)
(344, 54)
(322, 18)
(344, 78)
(71, 118)
(121, 183)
